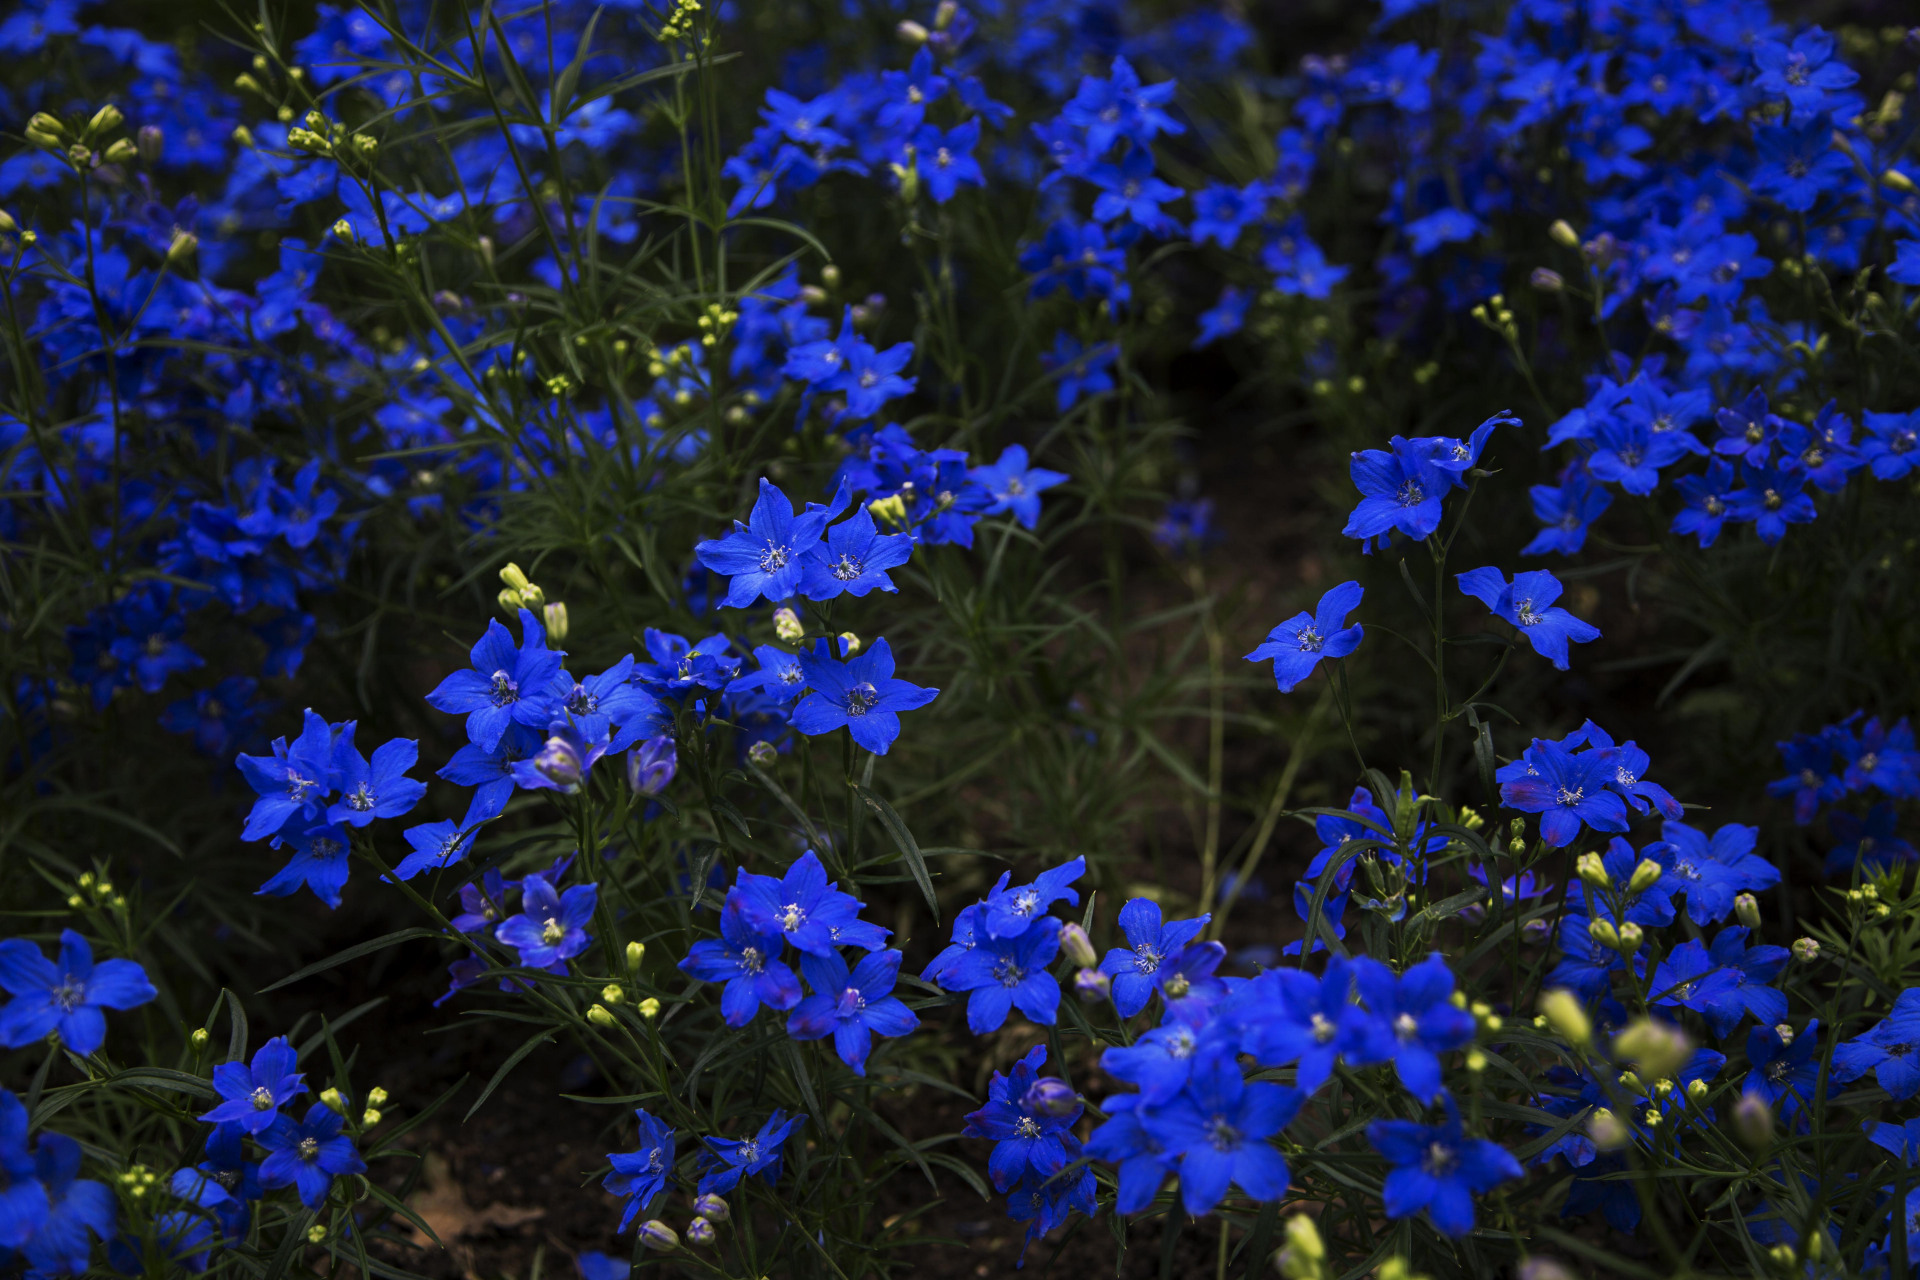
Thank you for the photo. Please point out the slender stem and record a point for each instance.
(1439, 550)
(1216, 734)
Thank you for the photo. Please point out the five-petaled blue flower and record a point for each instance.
(507, 684)
(1137, 968)
(254, 1093)
(1010, 911)
(1002, 974)
(802, 906)
(292, 781)
(1015, 486)
(1218, 1130)
(1412, 1021)
(748, 961)
(380, 789)
(765, 556)
(1437, 1168)
(1890, 1049)
(1402, 489)
(640, 1176)
(1298, 644)
(551, 927)
(1026, 1137)
(65, 995)
(309, 1154)
(1566, 789)
(1527, 603)
(853, 560)
(851, 1007)
(727, 1160)
(860, 695)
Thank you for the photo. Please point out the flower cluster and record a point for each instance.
(1841, 760)
(1002, 947)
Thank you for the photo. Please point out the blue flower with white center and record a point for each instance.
(1710, 873)
(1290, 1016)
(1009, 912)
(860, 695)
(600, 703)
(23, 1199)
(1160, 1062)
(1567, 789)
(1002, 974)
(1014, 485)
(778, 676)
(1401, 490)
(1137, 968)
(1890, 1049)
(727, 1160)
(65, 995)
(764, 557)
(379, 789)
(640, 1176)
(852, 1007)
(550, 928)
(436, 846)
(1439, 1169)
(1218, 1131)
(1025, 1137)
(1412, 1021)
(748, 961)
(806, 909)
(319, 862)
(292, 781)
(853, 560)
(254, 1093)
(1527, 603)
(1299, 644)
(309, 1154)
(507, 684)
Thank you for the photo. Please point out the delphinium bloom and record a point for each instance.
(599, 703)
(1027, 1137)
(1015, 486)
(806, 909)
(678, 667)
(1706, 497)
(253, 1094)
(945, 159)
(1753, 970)
(1411, 1021)
(551, 927)
(1871, 844)
(1890, 1049)
(1811, 779)
(1218, 1131)
(1527, 603)
(1400, 490)
(436, 846)
(764, 557)
(727, 1160)
(1010, 912)
(23, 1200)
(1290, 1016)
(507, 683)
(1001, 974)
(1568, 790)
(1771, 499)
(860, 695)
(1709, 872)
(309, 1154)
(292, 781)
(1143, 1164)
(379, 789)
(1439, 1169)
(1783, 1070)
(1298, 644)
(851, 1007)
(748, 961)
(65, 995)
(319, 862)
(1160, 1062)
(1136, 967)
(1566, 510)
(1587, 965)
(1883, 758)
(77, 1208)
(1688, 978)
(640, 1176)
(853, 560)
(1892, 446)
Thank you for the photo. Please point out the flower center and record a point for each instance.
(1523, 610)
(773, 558)
(1411, 494)
(1146, 958)
(1323, 1030)
(1026, 1127)
(1007, 973)
(751, 960)
(846, 568)
(361, 801)
(262, 1099)
(309, 1149)
(1570, 796)
(505, 689)
(1181, 1045)
(1311, 641)
(792, 917)
(861, 699)
(1440, 1159)
(69, 995)
(1222, 1136)
(749, 1151)
(1405, 1027)
(553, 932)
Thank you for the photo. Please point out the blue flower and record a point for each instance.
(851, 1007)
(1527, 603)
(1137, 968)
(1002, 974)
(601, 702)
(253, 1094)
(1772, 499)
(309, 1154)
(859, 695)
(1566, 509)
(436, 846)
(1218, 1130)
(1567, 790)
(678, 666)
(945, 160)
(1780, 1069)
(1586, 967)
(550, 928)
(1010, 912)
(76, 1206)
(969, 927)
(292, 781)
(1804, 73)
(1160, 1062)
(778, 674)
(505, 685)
(1892, 448)
(1015, 486)
(1298, 644)
(1412, 1021)
(1026, 1138)
(1289, 1015)
(1890, 1049)
(727, 1160)
(1753, 970)
(23, 1200)
(802, 906)
(765, 556)
(377, 790)
(1690, 979)
(1081, 372)
(1401, 489)
(853, 560)
(1708, 873)
(748, 961)
(67, 995)
(1437, 1168)
(1045, 1203)
(1706, 497)
(640, 1176)
(1124, 1141)
(1870, 844)
(319, 861)
(1225, 317)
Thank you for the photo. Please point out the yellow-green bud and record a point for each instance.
(344, 230)
(649, 1008)
(515, 577)
(247, 82)
(152, 143)
(1753, 1120)
(1603, 932)
(1645, 876)
(890, 510)
(1566, 1015)
(1076, 946)
(1897, 180)
(787, 626)
(7, 224)
(911, 32)
(242, 135)
(46, 130)
(370, 1117)
(556, 618)
(1593, 871)
(335, 1101)
(121, 151)
(1696, 1090)
(316, 1233)
(1563, 233)
(1605, 1129)
(850, 643)
(1656, 1049)
(376, 1097)
(636, 952)
(613, 993)
(1746, 908)
(184, 245)
(1303, 1255)
(763, 753)
(600, 1016)
(509, 599)
(1806, 950)
(105, 120)
(1547, 280)
(1630, 938)
(200, 1038)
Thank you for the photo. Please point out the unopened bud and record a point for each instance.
(787, 626)
(651, 765)
(1048, 1096)
(555, 615)
(600, 1016)
(911, 32)
(649, 1008)
(46, 130)
(316, 1233)
(700, 1231)
(763, 753)
(376, 1097)
(1897, 180)
(1655, 1048)
(1605, 1129)
(1806, 950)
(1603, 932)
(1092, 986)
(1645, 875)
(712, 1208)
(513, 576)
(1567, 1016)
(1593, 871)
(657, 1235)
(850, 644)
(1746, 908)
(121, 151)
(1547, 280)
(344, 230)
(1543, 1269)
(1696, 1090)
(1535, 931)
(613, 993)
(1631, 936)
(636, 952)
(1304, 1254)
(1785, 1032)
(1077, 947)
(183, 246)
(242, 135)
(370, 1117)
(7, 224)
(105, 120)
(201, 1037)
(1753, 1120)
(152, 143)
(1563, 233)
(335, 1101)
